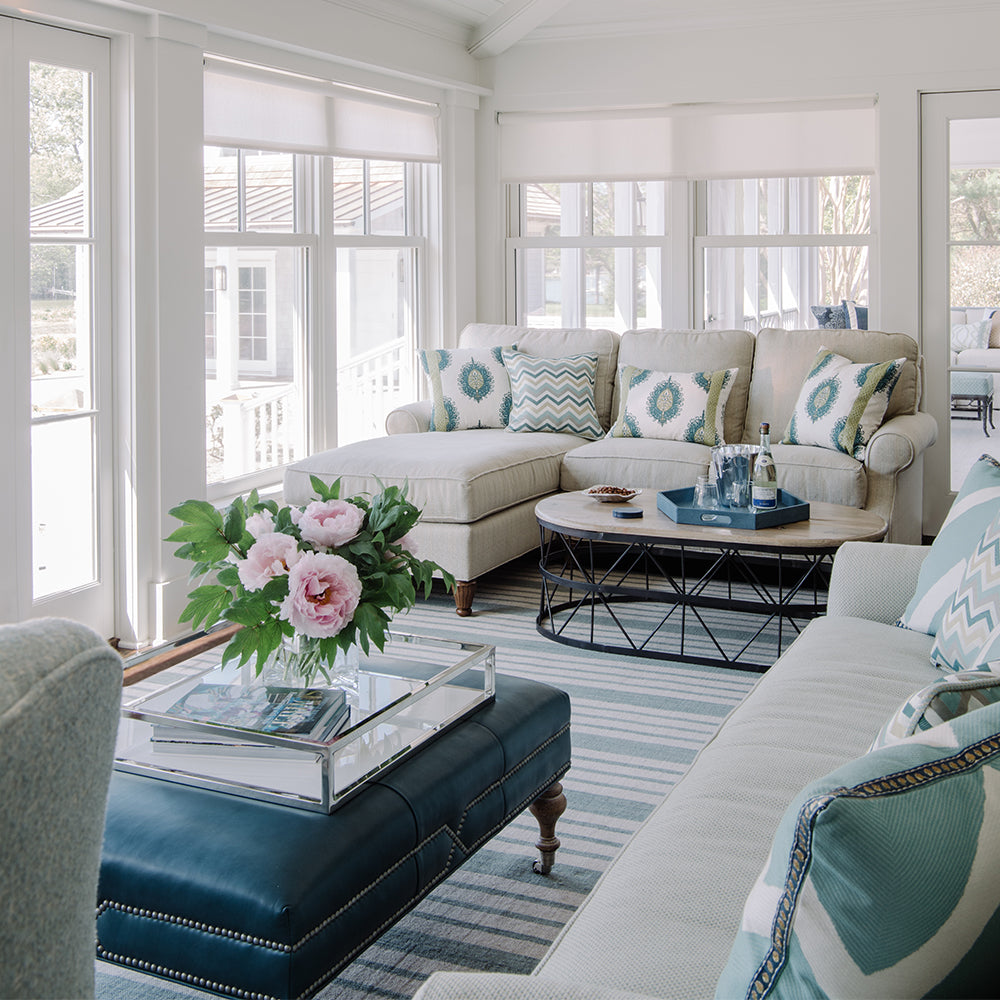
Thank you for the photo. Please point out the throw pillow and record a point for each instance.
(940, 702)
(881, 880)
(970, 336)
(837, 318)
(855, 316)
(676, 406)
(841, 405)
(470, 388)
(968, 637)
(553, 394)
(971, 513)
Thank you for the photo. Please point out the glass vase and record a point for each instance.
(298, 662)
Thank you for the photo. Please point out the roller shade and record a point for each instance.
(254, 108)
(690, 143)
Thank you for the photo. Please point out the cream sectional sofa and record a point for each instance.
(478, 488)
(663, 918)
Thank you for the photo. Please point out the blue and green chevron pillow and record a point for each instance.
(882, 879)
(841, 405)
(470, 388)
(971, 513)
(675, 406)
(969, 635)
(553, 394)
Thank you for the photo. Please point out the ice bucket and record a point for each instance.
(733, 464)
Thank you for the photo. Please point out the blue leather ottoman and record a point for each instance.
(251, 899)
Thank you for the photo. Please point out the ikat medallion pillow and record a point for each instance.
(553, 394)
(942, 572)
(841, 405)
(674, 406)
(881, 881)
(470, 388)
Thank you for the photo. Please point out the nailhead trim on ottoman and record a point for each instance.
(256, 900)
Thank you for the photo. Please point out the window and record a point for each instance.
(588, 253)
(377, 263)
(257, 312)
(770, 249)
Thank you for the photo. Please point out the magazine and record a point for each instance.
(313, 713)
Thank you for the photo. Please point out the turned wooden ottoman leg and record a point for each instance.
(547, 809)
(465, 590)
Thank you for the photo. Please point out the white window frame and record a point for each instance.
(573, 250)
(755, 242)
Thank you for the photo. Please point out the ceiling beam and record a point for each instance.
(509, 24)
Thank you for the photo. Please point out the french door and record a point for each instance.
(960, 286)
(55, 320)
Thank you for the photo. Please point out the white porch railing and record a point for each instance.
(260, 428)
(368, 387)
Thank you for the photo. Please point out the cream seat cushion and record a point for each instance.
(643, 462)
(814, 473)
(457, 476)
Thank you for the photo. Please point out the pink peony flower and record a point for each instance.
(323, 594)
(260, 524)
(270, 556)
(329, 523)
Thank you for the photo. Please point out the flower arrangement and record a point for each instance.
(329, 574)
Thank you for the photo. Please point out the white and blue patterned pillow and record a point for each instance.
(841, 405)
(939, 702)
(675, 406)
(971, 513)
(553, 394)
(970, 336)
(968, 637)
(470, 388)
(881, 880)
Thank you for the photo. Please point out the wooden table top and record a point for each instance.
(829, 525)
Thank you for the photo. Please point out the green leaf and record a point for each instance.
(324, 492)
(198, 512)
(250, 609)
(206, 605)
(228, 576)
(235, 523)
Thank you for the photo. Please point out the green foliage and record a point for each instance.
(218, 542)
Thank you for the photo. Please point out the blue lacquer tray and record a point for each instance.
(678, 505)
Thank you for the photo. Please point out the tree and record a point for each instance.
(56, 131)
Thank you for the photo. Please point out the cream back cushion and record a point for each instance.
(783, 359)
(695, 351)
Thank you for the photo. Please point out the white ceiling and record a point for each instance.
(490, 27)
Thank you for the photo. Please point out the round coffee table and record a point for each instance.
(695, 593)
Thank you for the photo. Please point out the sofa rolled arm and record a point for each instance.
(895, 445)
(874, 580)
(509, 986)
(410, 418)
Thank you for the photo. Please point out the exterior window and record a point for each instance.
(269, 219)
(770, 250)
(588, 254)
(377, 262)
(256, 313)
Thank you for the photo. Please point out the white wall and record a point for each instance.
(892, 57)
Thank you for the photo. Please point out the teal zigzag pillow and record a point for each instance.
(969, 635)
(675, 406)
(942, 571)
(882, 877)
(553, 394)
(941, 701)
(470, 388)
(841, 405)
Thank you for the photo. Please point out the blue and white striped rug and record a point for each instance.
(637, 725)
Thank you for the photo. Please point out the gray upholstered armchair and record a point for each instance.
(60, 695)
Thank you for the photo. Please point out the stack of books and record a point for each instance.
(310, 713)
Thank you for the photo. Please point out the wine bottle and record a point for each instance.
(764, 482)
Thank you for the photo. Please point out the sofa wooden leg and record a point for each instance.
(465, 590)
(547, 809)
